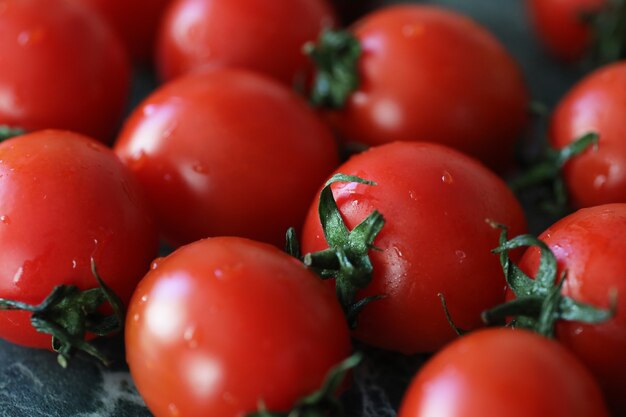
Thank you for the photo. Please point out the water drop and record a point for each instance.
(18, 275)
(74, 263)
(599, 181)
(460, 254)
(578, 331)
(199, 168)
(173, 410)
(218, 273)
(155, 264)
(413, 195)
(136, 317)
(446, 178)
(190, 337)
(144, 298)
(5, 219)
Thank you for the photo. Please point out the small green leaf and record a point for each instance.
(336, 56)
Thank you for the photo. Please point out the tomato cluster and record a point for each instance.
(374, 155)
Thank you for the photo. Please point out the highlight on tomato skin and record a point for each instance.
(62, 68)
(503, 372)
(427, 73)
(227, 152)
(589, 247)
(226, 323)
(259, 35)
(596, 103)
(436, 240)
(66, 199)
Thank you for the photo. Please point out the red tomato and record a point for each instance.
(430, 74)
(435, 240)
(64, 199)
(503, 372)
(261, 35)
(62, 67)
(561, 27)
(227, 153)
(136, 21)
(598, 104)
(589, 245)
(225, 323)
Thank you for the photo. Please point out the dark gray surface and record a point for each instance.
(32, 384)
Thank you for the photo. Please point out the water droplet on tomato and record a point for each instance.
(413, 195)
(18, 275)
(29, 37)
(136, 317)
(155, 264)
(190, 337)
(599, 182)
(5, 219)
(199, 168)
(578, 331)
(218, 273)
(74, 263)
(460, 254)
(447, 178)
(173, 410)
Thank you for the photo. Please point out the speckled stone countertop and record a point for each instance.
(33, 385)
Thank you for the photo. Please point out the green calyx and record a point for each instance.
(347, 258)
(7, 132)
(68, 314)
(323, 402)
(549, 171)
(336, 56)
(539, 302)
(609, 32)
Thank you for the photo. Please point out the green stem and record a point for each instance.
(7, 132)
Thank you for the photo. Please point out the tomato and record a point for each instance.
(561, 25)
(136, 21)
(430, 74)
(597, 103)
(227, 153)
(435, 202)
(589, 246)
(264, 36)
(225, 323)
(62, 67)
(64, 198)
(503, 372)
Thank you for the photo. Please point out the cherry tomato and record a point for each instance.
(261, 35)
(561, 26)
(225, 323)
(430, 74)
(62, 67)
(64, 199)
(227, 153)
(435, 202)
(503, 372)
(136, 21)
(598, 104)
(589, 246)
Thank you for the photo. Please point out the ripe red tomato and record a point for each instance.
(435, 202)
(589, 245)
(561, 27)
(136, 21)
(261, 35)
(503, 372)
(62, 67)
(225, 323)
(430, 74)
(598, 104)
(65, 199)
(227, 153)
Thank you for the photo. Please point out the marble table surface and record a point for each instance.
(33, 385)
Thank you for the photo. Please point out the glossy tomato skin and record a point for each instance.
(589, 245)
(135, 21)
(560, 25)
(597, 103)
(64, 199)
(260, 35)
(227, 153)
(503, 372)
(431, 74)
(62, 67)
(224, 323)
(435, 240)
